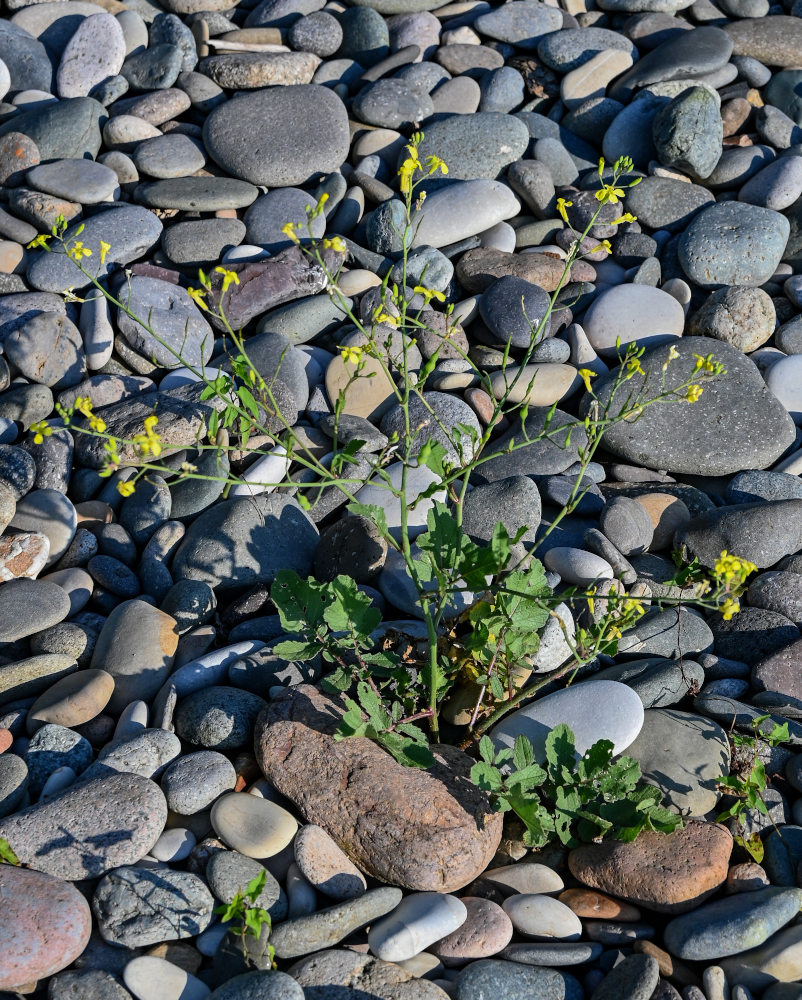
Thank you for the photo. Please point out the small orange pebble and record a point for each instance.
(587, 903)
(226, 213)
(6, 739)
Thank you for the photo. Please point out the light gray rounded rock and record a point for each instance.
(136, 907)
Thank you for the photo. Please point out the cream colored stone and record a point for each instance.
(74, 699)
(537, 384)
(251, 825)
(369, 391)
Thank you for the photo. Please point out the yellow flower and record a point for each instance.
(351, 355)
(335, 243)
(633, 367)
(704, 364)
(229, 277)
(586, 375)
(609, 194)
(40, 241)
(104, 249)
(732, 571)
(380, 315)
(434, 163)
(198, 295)
(626, 217)
(429, 294)
(41, 429)
(562, 205)
(78, 251)
(693, 393)
(729, 609)
(673, 354)
(126, 489)
(289, 231)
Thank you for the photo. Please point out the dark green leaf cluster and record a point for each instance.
(571, 798)
(748, 790)
(404, 740)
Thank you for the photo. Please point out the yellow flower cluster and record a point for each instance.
(83, 405)
(41, 430)
(149, 443)
(732, 571)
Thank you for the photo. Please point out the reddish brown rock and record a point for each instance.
(667, 873)
(479, 268)
(422, 830)
(45, 925)
(597, 906)
(6, 739)
(265, 284)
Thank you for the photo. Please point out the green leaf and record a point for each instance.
(255, 886)
(7, 855)
(349, 609)
(352, 722)
(487, 750)
(371, 703)
(406, 751)
(299, 602)
(433, 456)
(296, 649)
(486, 777)
(523, 753)
(560, 752)
(373, 513)
(248, 402)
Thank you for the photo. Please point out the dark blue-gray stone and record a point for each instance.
(736, 423)
(66, 129)
(761, 532)
(732, 925)
(26, 58)
(130, 232)
(241, 542)
(732, 243)
(478, 145)
(218, 718)
(570, 48)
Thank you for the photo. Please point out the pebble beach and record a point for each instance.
(156, 754)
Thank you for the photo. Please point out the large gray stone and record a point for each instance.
(246, 541)
(736, 424)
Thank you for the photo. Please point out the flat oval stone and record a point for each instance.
(717, 435)
(76, 180)
(460, 210)
(325, 866)
(514, 981)
(193, 782)
(594, 710)
(148, 976)
(634, 313)
(732, 925)
(327, 927)
(136, 646)
(732, 243)
(196, 194)
(418, 921)
(94, 53)
(450, 835)
(65, 129)
(255, 138)
(542, 917)
(137, 907)
(255, 827)
(130, 231)
(667, 873)
(683, 755)
(104, 824)
(73, 700)
(46, 925)
(478, 145)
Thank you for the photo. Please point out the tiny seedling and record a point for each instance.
(749, 788)
(250, 918)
